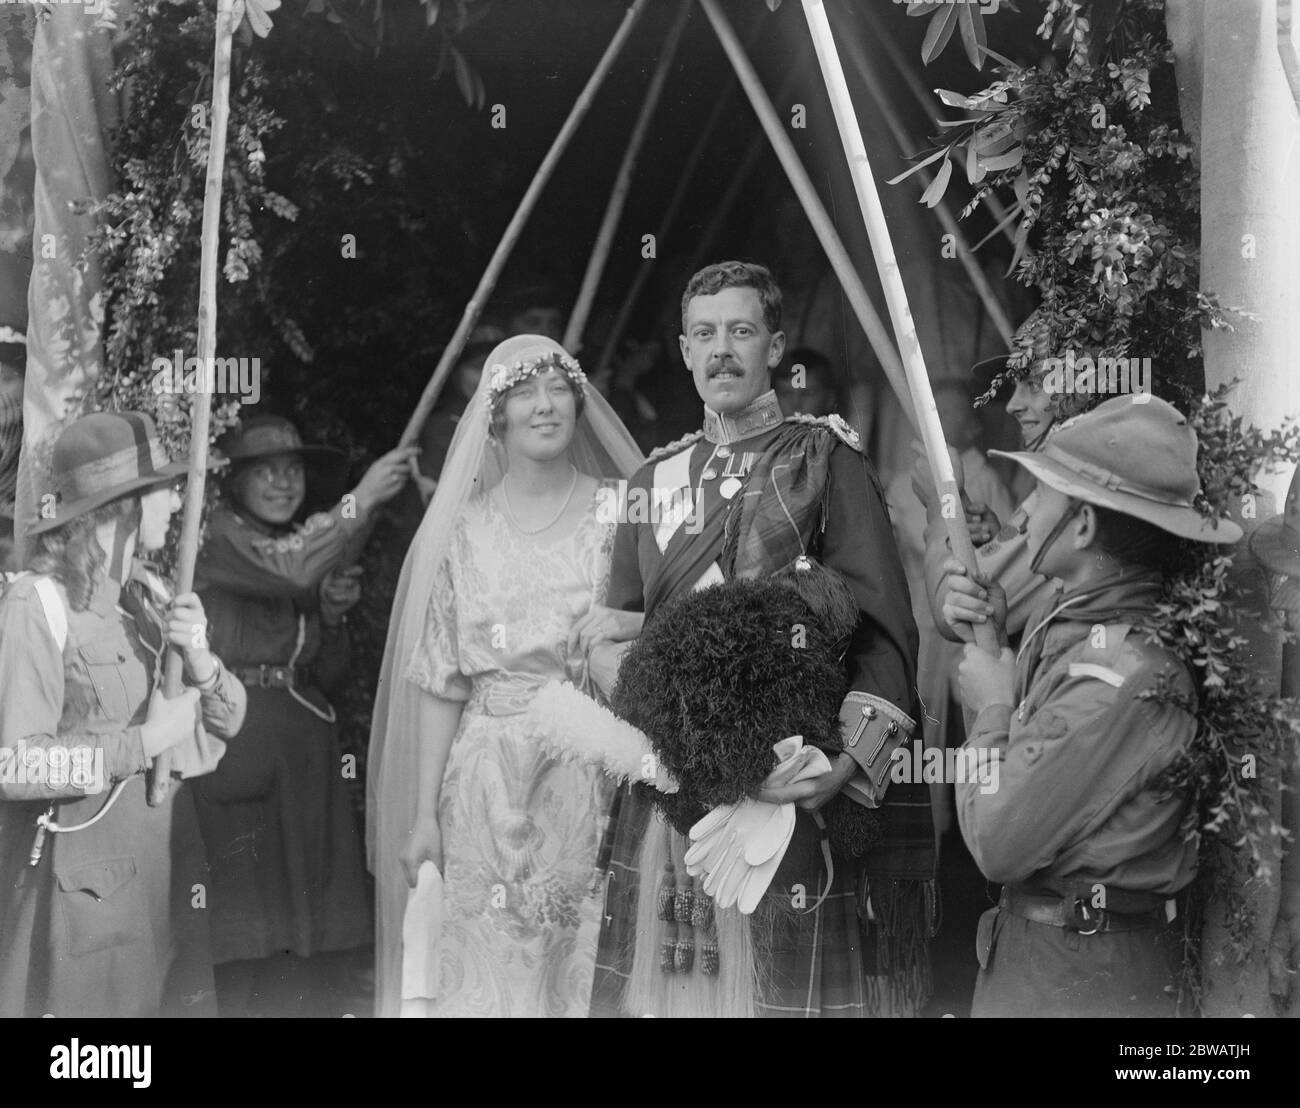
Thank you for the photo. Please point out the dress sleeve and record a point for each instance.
(31, 708)
(626, 591)
(435, 662)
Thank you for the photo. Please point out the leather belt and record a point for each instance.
(277, 677)
(1075, 914)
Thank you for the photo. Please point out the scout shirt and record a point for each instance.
(244, 556)
(1077, 802)
(104, 924)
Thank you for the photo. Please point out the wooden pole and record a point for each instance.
(900, 314)
(848, 277)
(946, 219)
(684, 180)
(201, 401)
(493, 272)
(623, 185)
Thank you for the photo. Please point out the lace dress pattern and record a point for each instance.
(520, 831)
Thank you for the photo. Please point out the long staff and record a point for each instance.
(822, 225)
(201, 400)
(887, 109)
(936, 450)
(623, 185)
(502, 253)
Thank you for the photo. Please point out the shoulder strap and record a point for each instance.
(55, 613)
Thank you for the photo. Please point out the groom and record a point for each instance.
(862, 950)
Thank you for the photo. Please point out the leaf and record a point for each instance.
(935, 189)
(464, 76)
(942, 25)
(772, 5)
(255, 13)
(954, 99)
(923, 7)
(1021, 185)
(919, 165)
(1004, 161)
(972, 33)
(1002, 58)
(974, 171)
(430, 12)
(1022, 243)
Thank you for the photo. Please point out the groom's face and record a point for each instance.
(729, 350)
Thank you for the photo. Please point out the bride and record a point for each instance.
(502, 591)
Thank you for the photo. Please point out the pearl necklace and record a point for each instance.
(505, 496)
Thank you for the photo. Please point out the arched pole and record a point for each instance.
(512, 232)
(822, 226)
(201, 399)
(622, 185)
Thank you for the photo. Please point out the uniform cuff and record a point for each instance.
(990, 725)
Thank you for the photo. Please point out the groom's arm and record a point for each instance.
(881, 659)
(626, 590)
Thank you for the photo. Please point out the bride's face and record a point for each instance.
(540, 416)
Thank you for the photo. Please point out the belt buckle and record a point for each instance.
(1079, 913)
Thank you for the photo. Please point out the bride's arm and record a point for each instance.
(436, 720)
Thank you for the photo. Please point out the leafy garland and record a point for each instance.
(302, 165)
(1107, 210)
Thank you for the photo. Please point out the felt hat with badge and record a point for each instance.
(1132, 454)
(266, 436)
(100, 458)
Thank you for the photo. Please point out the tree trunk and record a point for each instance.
(1234, 89)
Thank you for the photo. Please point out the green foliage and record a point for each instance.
(1103, 191)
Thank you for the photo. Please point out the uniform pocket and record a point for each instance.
(102, 905)
(103, 661)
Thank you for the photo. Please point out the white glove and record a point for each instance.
(738, 847)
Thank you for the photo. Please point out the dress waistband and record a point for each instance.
(503, 694)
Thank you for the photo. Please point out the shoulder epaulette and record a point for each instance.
(673, 447)
(832, 423)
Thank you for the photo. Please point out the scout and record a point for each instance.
(98, 908)
(1086, 718)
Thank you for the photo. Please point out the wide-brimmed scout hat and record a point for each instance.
(1276, 542)
(1135, 455)
(265, 436)
(100, 458)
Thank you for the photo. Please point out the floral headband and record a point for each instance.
(502, 378)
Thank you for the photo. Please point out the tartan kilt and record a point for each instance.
(810, 962)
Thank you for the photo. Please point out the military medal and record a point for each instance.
(729, 488)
